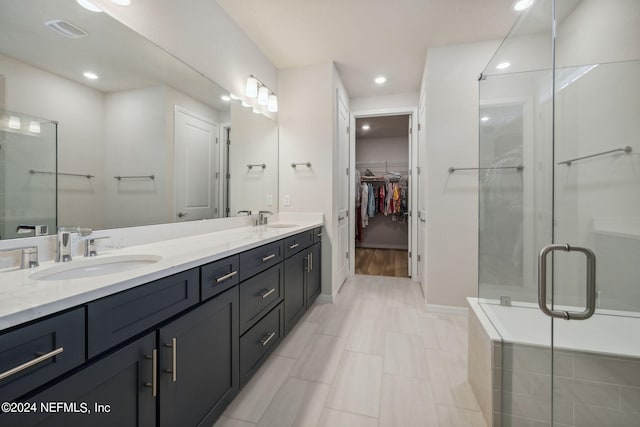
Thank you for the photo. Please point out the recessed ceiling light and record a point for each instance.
(90, 75)
(121, 2)
(89, 6)
(366, 127)
(484, 119)
(522, 5)
(225, 98)
(380, 79)
(503, 65)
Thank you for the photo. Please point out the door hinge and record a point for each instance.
(346, 255)
(419, 257)
(217, 175)
(419, 126)
(228, 176)
(409, 254)
(347, 171)
(348, 129)
(217, 140)
(409, 213)
(418, 169)
(347, 214)
(215, 211)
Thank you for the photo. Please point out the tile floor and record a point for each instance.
(374, 358)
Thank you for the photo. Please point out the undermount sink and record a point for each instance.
(281, 225)
(81, 269)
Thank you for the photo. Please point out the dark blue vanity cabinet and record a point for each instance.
(172, 352)
(302, 275)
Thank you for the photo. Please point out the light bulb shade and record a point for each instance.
(34, 126)
(14, 122)
(251, 90)
(89, 6)
(263, 95)
(122, 2)
(273, 104)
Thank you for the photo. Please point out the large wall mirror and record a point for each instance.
(143, 140)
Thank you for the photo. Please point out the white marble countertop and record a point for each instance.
(23, 299)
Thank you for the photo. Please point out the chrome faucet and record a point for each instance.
(262, 218)
(63, 253)
(29, 256)
(37, 230)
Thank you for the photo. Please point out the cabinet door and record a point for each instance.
(199, 363)
(294, 292)
(313, 275)
(116, 390)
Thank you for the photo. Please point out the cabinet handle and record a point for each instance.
(310, 261)
(174, 364)
(265, 341)
(319, 235)
(154, 375)
(266, 293)
(307, 261)
(226, 276)
(268, 257)
(295, 245)
(31, 363)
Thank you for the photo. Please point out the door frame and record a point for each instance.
(413, 205)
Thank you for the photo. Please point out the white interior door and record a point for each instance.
(421, 191)
(195, 167)
(343, 192)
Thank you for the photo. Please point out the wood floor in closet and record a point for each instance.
(382, 262)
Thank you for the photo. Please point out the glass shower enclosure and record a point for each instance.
(559, 214)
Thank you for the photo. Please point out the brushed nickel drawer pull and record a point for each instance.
(268, 257)
(31, 363)
(174, 362)
(226, 276)
(265, 341)
(295, 245)
(154, 375)
(266, 293)
(311, 261)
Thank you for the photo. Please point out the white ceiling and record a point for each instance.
(366, 38)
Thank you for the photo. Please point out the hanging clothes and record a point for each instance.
(364, 188)
(381, 197)
(371, 211)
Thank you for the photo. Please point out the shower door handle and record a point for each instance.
(591, 283)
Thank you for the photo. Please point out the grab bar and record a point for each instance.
(120, 177)
(626, 149)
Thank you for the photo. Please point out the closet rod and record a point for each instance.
(120, 177)
(626, 149)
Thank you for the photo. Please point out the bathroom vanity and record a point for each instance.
(168, 343)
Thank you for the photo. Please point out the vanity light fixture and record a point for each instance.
(89, 6)
(272, 106)
(90, 75)
(14, 122)
(380, 80)
(256, 89)
(34, 126)
(235, 98)
(263, 95)
(121, 2)
(503, 65)
(366, 127)
(251, 89)
(225, 98)
(522, 5)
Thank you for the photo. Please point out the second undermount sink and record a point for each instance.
(281, 225)
(84, 268)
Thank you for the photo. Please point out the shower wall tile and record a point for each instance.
(630, 399)
(612, 370)
(592, 416)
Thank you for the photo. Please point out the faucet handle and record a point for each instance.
(247, 213)
(37, 230)
(29, 256)
(90, 248)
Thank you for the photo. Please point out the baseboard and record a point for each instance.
(382, 246)
(451, 309)
(324, 299)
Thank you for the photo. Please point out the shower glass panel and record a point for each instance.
(566, 109)
(27, 173)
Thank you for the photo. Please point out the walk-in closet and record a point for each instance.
(382, 196)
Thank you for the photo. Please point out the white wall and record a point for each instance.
(307, 134)
(451, 96)
(201, 34)
(372, 103)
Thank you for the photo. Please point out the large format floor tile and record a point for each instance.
(373, 358)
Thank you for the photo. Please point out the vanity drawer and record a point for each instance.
(317, 235)
(58, 342)
(259, 341)
(260, 294)
(259, 259)
(118, 317)
(294, 244)
(219, 276)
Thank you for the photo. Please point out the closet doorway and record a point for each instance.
(382, 161)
